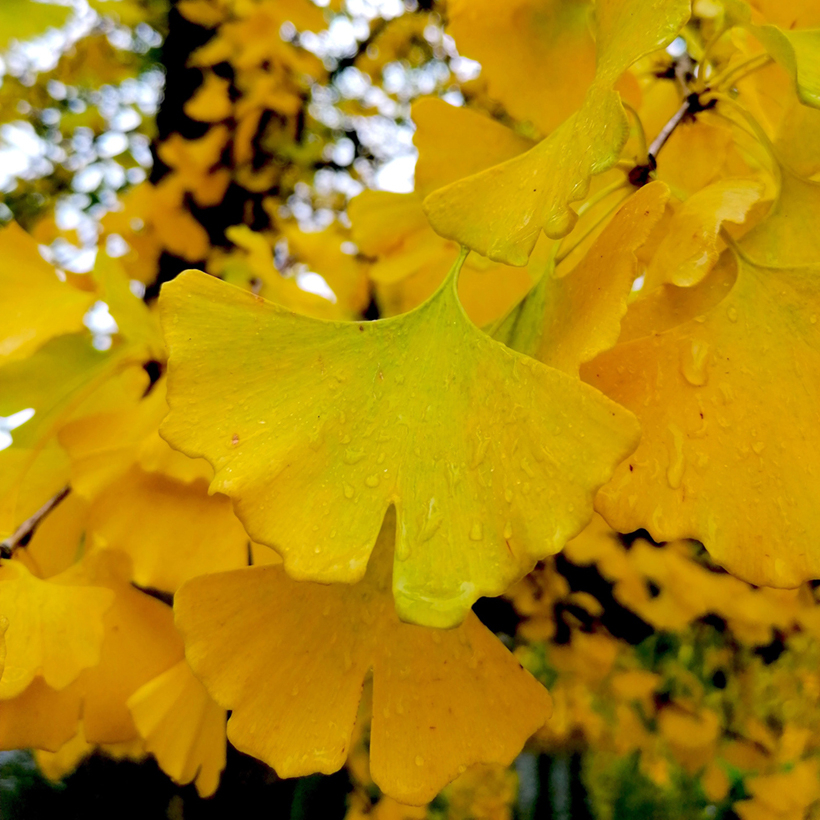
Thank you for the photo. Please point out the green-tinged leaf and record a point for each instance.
(315, 428)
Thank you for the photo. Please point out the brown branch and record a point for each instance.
(689, 107)
(22, 535)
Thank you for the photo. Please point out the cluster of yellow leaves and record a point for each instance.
(93, 656)
(636, 332)
(700, 695)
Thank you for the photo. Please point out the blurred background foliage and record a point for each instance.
(232, 135)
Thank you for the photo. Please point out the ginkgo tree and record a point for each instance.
(577, 366)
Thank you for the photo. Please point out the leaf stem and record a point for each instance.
(601, 195)
(700, 81)
(727, 77)
(643, 156)
(22, 535)
(756, 128)
(560, 257)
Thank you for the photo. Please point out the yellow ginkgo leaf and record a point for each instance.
(565, 322)
(57, 542)
(500, 212)
(322, 252)
(36, 305)
(721, 459)
(798, 52)
(22, 19)
(477, 446)
(787, 237)
(289, 659)
(546, 37)
(40, 717)
(139, 643)
(104, 446)
(691, 245)
(136, 323)
(55, 765)
(454, 142)
(255, 270)
(172, 531)
(33, 468)
(54, 629)
(182, 727)
(211, 101)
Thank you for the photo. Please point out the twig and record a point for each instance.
(22, 535)
(689, 107)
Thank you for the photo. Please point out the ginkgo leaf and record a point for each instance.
(289, 659)
(546, 37)
(787, 237)
(139, 643)
(445, 155)
(565, 322)
(500, 212)
(477, 446)
(58, 540)
(211, 101)
(23, 19)
(799, 53)
(54, 629)
(182, 727)
(32, 469)
(722, 460)
(104, 446)
(136, 323)
(691, 245)
(36, 305)
(40, 717)
(172, 531)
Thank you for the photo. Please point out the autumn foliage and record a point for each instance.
(577, 366)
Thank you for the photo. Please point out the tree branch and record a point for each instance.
(22, 535)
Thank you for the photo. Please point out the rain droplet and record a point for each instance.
(349, 491)
(732, 314)
(693, 363)
(352, 456)
(480, 451)
(372, 481)
(508, 530)
(677, 461)
(433, 522)
(476, 531)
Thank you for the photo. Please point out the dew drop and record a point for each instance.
(372, 481)
(693, 363)
(349, 491)
(732, 314)
(508, 530)
(677, 461)
(476, 531)
(352, 456)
